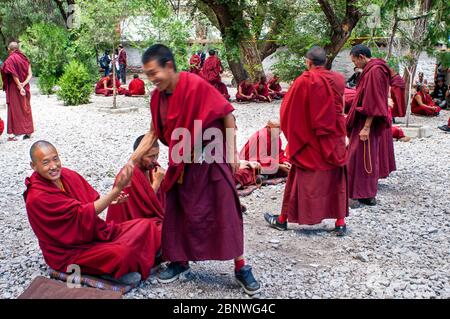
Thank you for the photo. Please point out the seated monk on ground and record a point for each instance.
(146, 198)
(275, 89)
(136, 86)
(262, 90)
(105, 86)
(63, 211)
(246, 92)
(422, 103)
(259, 149)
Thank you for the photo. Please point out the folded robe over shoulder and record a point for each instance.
(70, 232)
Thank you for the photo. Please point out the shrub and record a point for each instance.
(75, 84)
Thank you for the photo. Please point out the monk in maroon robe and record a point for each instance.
(386, 148)
(16, 76)
(398, 95)
(246, 92)
(146, 198)
(63, 212)
(203, 218)
(275, 89)
(194, 64)
(259, 148)
(349, 96)
(262, 90)
(105, 86)
(423, 104)
(136, 86)
(212, 68)
(366, 122)
(313, 122)
(248, 174)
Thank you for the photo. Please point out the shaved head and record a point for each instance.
(13, 46)
(317, 55)
(40, 145)
(45, 160)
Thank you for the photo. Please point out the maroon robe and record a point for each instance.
(262, 91)
(245, 177)
(386, 151)
(371, 100)
(258, 149)
(246, 89)
(212, 68)
(398, 96)
(70, 232)
(275, 86)
(194, 64)
(20, 118)
(202, 219)
(142, 202)
(2, 126)
(349, 96)
(397, 132)
(421, 110)
(313, 122)
(136, 87)
(100, 88)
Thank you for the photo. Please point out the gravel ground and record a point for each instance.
(398, 249)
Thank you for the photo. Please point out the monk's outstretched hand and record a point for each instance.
(122, 198)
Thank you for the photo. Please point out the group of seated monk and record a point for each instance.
(106, 86)
(261, 91)
(63, 210)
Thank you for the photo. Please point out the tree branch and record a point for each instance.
(60, 5)
(415, 18)
(329, 13)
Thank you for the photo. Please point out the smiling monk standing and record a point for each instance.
(203, 218)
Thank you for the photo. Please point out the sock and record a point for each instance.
(238, 264)
(340, 222)
(282, 218)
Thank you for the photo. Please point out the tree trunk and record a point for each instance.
(249, 57)
(394, 30)
(252, 60)
(340, 29)
(114, 80)
(419, 35)
(338, 40)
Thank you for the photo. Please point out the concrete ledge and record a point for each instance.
(416, 131)
(118, 110)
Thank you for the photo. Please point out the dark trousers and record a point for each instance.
(123, 73)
